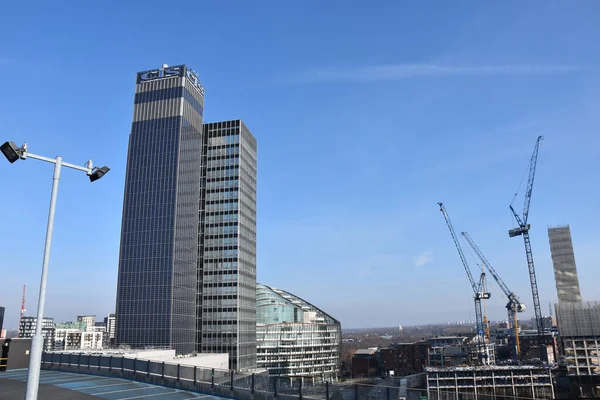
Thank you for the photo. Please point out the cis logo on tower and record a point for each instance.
(164, 72)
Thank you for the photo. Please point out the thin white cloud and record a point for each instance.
(423, 258)
(392, 72)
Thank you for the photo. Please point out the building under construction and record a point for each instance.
(563, 260)
(485, 382)
(579, 328)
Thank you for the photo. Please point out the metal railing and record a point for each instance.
(243, 386)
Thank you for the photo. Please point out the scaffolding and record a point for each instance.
(563, 260)
(578, 319)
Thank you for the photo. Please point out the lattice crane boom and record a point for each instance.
(532, 166)
(22, 312)
(509, 294)
(523, 230)
(474, 285)
(514, 303)
(478, 292)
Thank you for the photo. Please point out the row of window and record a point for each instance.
(232, 138)
(223, 151)
(221, 242)
(218, 230)
(220, 303)
(223, 173)
(193, 102)
(157, 124)
(210, 279)
(222, 218)
(223, 162)
(222, 184)
(218, 207)
(158, 95)
(220, 253)
(230, 194)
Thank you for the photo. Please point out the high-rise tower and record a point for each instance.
(226, 303)
(563, 259)
(156, 290)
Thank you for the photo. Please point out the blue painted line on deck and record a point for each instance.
(108, 388)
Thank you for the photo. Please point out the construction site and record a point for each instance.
(530, 373)
(518, 381)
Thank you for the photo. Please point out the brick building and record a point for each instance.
(365, 362)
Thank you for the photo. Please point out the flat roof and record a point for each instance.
(57, 385)
(488, 368)
(365, 351)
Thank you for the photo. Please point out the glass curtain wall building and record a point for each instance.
(226, 281)
(295, 338)
(156, 291)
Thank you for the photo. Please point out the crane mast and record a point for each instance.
(486, 322)
(478, 293)
(22, 312)
(523, 230)
(514, 304)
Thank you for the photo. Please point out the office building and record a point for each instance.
(515, 382)
(563, 260)
(295, 338)
(109, 321)
(27, 327)
(156, 289)
(226, 300)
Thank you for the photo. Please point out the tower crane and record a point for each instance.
(478, 293)
(514, 304)
(523, 230)
(22, 312)
(486, 322)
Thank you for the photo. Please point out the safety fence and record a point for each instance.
(230, 384)
(218, 382)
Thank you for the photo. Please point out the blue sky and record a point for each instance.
(366, 115)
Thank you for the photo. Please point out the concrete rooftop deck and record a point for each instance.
(65, 386)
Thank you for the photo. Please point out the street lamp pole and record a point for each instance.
(37, 343)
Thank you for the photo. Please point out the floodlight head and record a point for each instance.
(10, 151)
(98, 173)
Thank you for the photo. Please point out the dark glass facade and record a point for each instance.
(156, 291)
(226, 285)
